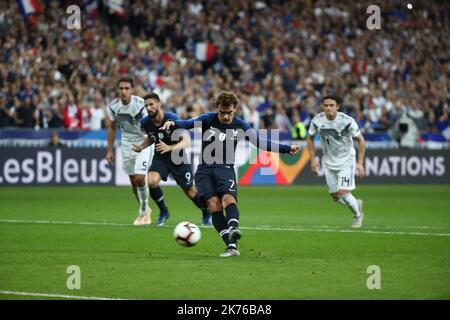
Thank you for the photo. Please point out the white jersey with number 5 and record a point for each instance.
(128, 118)
(336, 137)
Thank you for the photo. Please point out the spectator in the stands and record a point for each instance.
(55, 142)
(71, 113)
(6, 112)
(25, 113)
(298, 128)
(98, 114)
(85, 116)
(271, 52)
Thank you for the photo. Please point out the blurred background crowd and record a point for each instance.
(279, 57)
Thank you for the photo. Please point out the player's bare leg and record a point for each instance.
(139, 184)
(346, 198)
(134, 188)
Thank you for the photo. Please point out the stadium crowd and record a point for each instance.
(280, 57)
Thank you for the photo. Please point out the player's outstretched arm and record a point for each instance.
(361, 154)
(111, 138)
(185, 124)
(312, 153)
(269, 145)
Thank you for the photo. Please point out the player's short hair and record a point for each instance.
(126, 79)
(226, 99)
(153, 96)
(334, 97)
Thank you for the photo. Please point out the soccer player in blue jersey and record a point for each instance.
(215, 177)
(162, 163)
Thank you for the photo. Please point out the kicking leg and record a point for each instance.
(218, 219)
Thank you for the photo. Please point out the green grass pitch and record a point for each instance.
(297, 244)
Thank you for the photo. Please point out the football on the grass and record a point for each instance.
(187, 234)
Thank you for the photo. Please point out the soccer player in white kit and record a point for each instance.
(336, 131)
(127, 112)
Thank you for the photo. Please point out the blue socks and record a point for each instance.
(232, 216)
(220, 224)
(158, 197)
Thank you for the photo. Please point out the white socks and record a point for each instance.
(143, 198)
(350, 201)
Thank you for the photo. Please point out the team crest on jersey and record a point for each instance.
(330, 132)
(160, 135)
(222, 136)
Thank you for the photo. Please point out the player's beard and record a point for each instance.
(153, 114)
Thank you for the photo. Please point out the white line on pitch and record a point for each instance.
(263, 228)
(348, 231)
(381, 227)
(52, 295)
(67, 222)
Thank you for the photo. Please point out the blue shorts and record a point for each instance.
(182, 173)
(214, 181)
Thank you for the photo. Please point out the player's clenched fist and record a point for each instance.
(360, 170)
(110, 158)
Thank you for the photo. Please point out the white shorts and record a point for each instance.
(343, 179)
(136, 162)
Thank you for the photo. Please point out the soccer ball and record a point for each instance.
(187, 234)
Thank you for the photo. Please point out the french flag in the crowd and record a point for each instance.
(28, 7)
(115, 6)
(204, 51)
(444, 127)
(91, 8)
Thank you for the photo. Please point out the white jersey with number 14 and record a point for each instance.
(336, 137)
